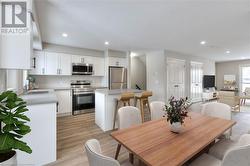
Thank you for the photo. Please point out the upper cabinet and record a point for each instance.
(65, 64)
(38, 63)
(48, 63)
(16, 39)
(82, 59)
(98, 63)
(51, 63)
(115, 61)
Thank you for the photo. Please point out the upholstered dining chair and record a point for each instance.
(96, 158)
(127, 117)
(157, 109)
(219, 110)
(222, 146)
(236, 156)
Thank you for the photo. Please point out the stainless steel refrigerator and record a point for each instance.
(117, 77)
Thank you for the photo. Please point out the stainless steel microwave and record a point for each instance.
(82, 69)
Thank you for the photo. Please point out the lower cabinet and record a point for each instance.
(64, 101)
(42, 138)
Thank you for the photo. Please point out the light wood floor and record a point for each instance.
(73, 132)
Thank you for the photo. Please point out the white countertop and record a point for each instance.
(40, 98)
(117, 91)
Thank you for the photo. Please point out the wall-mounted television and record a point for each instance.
(208, 81)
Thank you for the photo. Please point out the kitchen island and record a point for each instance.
(105, 100)
(42, 106)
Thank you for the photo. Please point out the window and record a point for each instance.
(244, 77)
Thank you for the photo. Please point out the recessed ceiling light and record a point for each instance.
(228, 52)
(203, 42)
(106, 43)
(64, 34)
(133, 54)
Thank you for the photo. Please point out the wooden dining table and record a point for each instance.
(155, 145)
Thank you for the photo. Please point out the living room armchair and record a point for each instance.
(229, 98)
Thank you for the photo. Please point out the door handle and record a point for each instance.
(176, 86)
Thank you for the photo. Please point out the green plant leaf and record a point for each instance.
(4, 95)
(21, 109)
(6, 141)
(9, 127)
(12, 117)
(22, 132)
(22, 146)
(24, 117)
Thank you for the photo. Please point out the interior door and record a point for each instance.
(176, 77)
(196, 70)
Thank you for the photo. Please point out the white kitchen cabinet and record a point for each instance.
(15, 48)
(82, 59)
(52, 63)
(65, 65)
(38, 66)
(57, 64)
(116, 61)
(77, 59)
(98, 63)
(42, 138)
(64, 101)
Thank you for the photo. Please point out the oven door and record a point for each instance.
(83, 102)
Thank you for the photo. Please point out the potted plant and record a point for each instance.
(176, 112)
(12, 127)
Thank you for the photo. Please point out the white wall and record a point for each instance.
(156, 71)
(156, 76)
(138, 71)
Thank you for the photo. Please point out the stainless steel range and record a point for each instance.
(83, 97)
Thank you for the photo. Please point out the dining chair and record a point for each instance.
(238, 155)
(127, 117)
(157, 109)
(124, 99)
(220, 148)
(96, 158)
(218, 110)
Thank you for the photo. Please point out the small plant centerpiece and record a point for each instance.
(176, 112)
(12, 127)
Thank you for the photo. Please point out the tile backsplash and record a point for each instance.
(64, 81)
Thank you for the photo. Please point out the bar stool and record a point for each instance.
(143, 101)
(124, 99)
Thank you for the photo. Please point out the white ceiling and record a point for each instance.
(136, 25)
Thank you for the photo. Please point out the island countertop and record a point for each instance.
(40, 98)
(117, 91)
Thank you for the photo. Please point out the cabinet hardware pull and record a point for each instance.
(34, 62)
